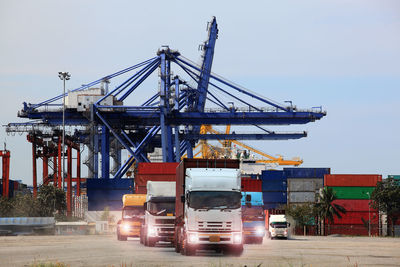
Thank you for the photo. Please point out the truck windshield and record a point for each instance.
(133, 212)
(161, 208)
(279, 224)
(214, 200)
(255, 213)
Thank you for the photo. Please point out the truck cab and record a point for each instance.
(132, 216)
(278, 226)
(159, 218)
(253, 217)
(212, 216)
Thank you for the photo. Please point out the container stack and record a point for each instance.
(353, 192)
(253, 188)
(304, 184)
(274, 189)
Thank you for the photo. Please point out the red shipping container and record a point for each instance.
(251, 185)
(354, 217)
(157, 171)
(351, 179)
(351, 229)
(157, 167)
(354, 204)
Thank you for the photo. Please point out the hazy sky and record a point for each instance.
(343, 55)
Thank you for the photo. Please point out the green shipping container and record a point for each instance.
(396, 177)
(353, 192)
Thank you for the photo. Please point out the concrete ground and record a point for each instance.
(105, 250)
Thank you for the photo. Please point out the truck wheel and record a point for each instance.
(234, 250)
(176, 243)
(259, 240)
(151, 242)
(186, 249)
(141, 237)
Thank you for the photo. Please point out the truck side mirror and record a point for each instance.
(145, 205)
(183, 198)
(248, 198)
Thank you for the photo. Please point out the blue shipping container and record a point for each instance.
(273, 175)
(274, 185)
(306, 172)
(107, 193)
(256, 198)
(275, 197)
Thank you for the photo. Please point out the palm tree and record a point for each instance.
(326, 209)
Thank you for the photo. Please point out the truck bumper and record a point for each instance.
(215, 239)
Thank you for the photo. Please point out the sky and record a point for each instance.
(341, 55)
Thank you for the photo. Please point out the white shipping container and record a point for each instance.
(301, 197)
(304, 185)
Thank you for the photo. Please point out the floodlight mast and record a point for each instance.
(63, 76)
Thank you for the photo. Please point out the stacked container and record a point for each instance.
(252, 187)
(353, 192)
(304, 183)
(274, 189)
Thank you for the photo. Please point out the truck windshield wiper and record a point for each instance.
(161, 211)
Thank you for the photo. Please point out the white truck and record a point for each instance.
(278, 226)
(159, 215)
(208, 207)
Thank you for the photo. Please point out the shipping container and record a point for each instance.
(306, 172)
(354, 217)
(196, 163)
(305, 185)
(351, 229)
(163, 168)
(354, 204)
(157, 171)
(352, 192)
(352, 179)
(273, 175)
(256, 198)
(275, 197)
(274, 185)
(107, 193)
(396, 177)
(301, 197)
(251, 185)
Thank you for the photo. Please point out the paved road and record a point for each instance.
(107, 251)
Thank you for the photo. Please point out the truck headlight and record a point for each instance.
(193, 238)
(260, 230)
(126, 227)
(151, 231)
(237, 238)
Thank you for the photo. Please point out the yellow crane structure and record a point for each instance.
(209, 151)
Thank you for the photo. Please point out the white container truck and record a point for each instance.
(208, 207)
(159, 216)
(278, 226)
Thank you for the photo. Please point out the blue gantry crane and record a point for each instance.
(170, 118)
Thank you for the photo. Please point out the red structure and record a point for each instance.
(5, 154)
(47, 151)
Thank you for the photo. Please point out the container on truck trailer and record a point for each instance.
(278, 226)
(253, 217)
(132, 216)
(208, 206)
(159, 218)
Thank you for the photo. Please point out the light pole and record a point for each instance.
(63, 76)
(369, 214)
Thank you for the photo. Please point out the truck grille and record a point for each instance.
(215, 226)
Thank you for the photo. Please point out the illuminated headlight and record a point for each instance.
(151, 231)
(126, 227)
(237, 238)
(260, 230)
(193, 238)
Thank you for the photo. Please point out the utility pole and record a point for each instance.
(63, 76)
